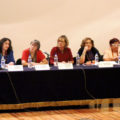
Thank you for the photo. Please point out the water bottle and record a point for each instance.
(96, 59)
(29, 62)
(55, 60)
(3, 62)
(119, 54)
(119, 58)
(77, 60)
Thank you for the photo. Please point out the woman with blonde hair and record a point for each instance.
(87, 51)
(62, 51)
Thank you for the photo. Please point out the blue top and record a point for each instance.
(8, 58)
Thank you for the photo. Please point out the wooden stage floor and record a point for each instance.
(105, 113)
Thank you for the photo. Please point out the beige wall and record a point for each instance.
(45, 20)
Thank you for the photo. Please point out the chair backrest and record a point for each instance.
(74, 59)
(101, 58)
(18, 61)
(46, 55)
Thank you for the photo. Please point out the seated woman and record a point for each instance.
(37, 56)
(6, 51)
(87, 52)
(63, 52)
(112, 53)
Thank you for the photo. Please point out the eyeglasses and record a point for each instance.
(115, 45)
(34, 45)
(61, 41)
(88, 43)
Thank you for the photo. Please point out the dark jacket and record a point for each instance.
(93, 51)
(8, 58)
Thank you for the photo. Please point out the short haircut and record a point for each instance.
(113, 41)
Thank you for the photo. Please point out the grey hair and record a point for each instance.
(36, 42)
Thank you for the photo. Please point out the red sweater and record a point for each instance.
(40, 56)
(66, 55)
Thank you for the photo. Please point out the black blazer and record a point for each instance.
(94, 51)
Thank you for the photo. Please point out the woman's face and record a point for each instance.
(61, 43)
(114, 46)
(88, 43)
(33, 47)
(6, 45)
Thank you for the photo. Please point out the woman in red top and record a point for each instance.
(37, 56)
(63, 52)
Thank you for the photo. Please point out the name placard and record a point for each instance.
(65, 66)
(15, 68)
(42, 67)
(103, 64)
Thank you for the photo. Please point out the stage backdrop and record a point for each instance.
(25, 20)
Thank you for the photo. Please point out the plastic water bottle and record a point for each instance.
(119, 54)
(96, 59)
(29, 62)
(77, 60)
(55, 60)
(3, 62)
(119, 57)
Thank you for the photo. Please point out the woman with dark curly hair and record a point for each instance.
(6, 51)
(87, 51)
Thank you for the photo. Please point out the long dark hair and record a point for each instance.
(1, 45)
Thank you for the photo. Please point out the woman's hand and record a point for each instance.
(33, 63)
(11, 63)
(85, 49)
(115, 59)
(88, 63)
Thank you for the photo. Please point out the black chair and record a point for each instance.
(47, 56)
(74, 59)
(18, 62)
(101, 58)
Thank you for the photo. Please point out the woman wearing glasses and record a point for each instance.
(87, 52)
(112, 53)
(62, 51)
